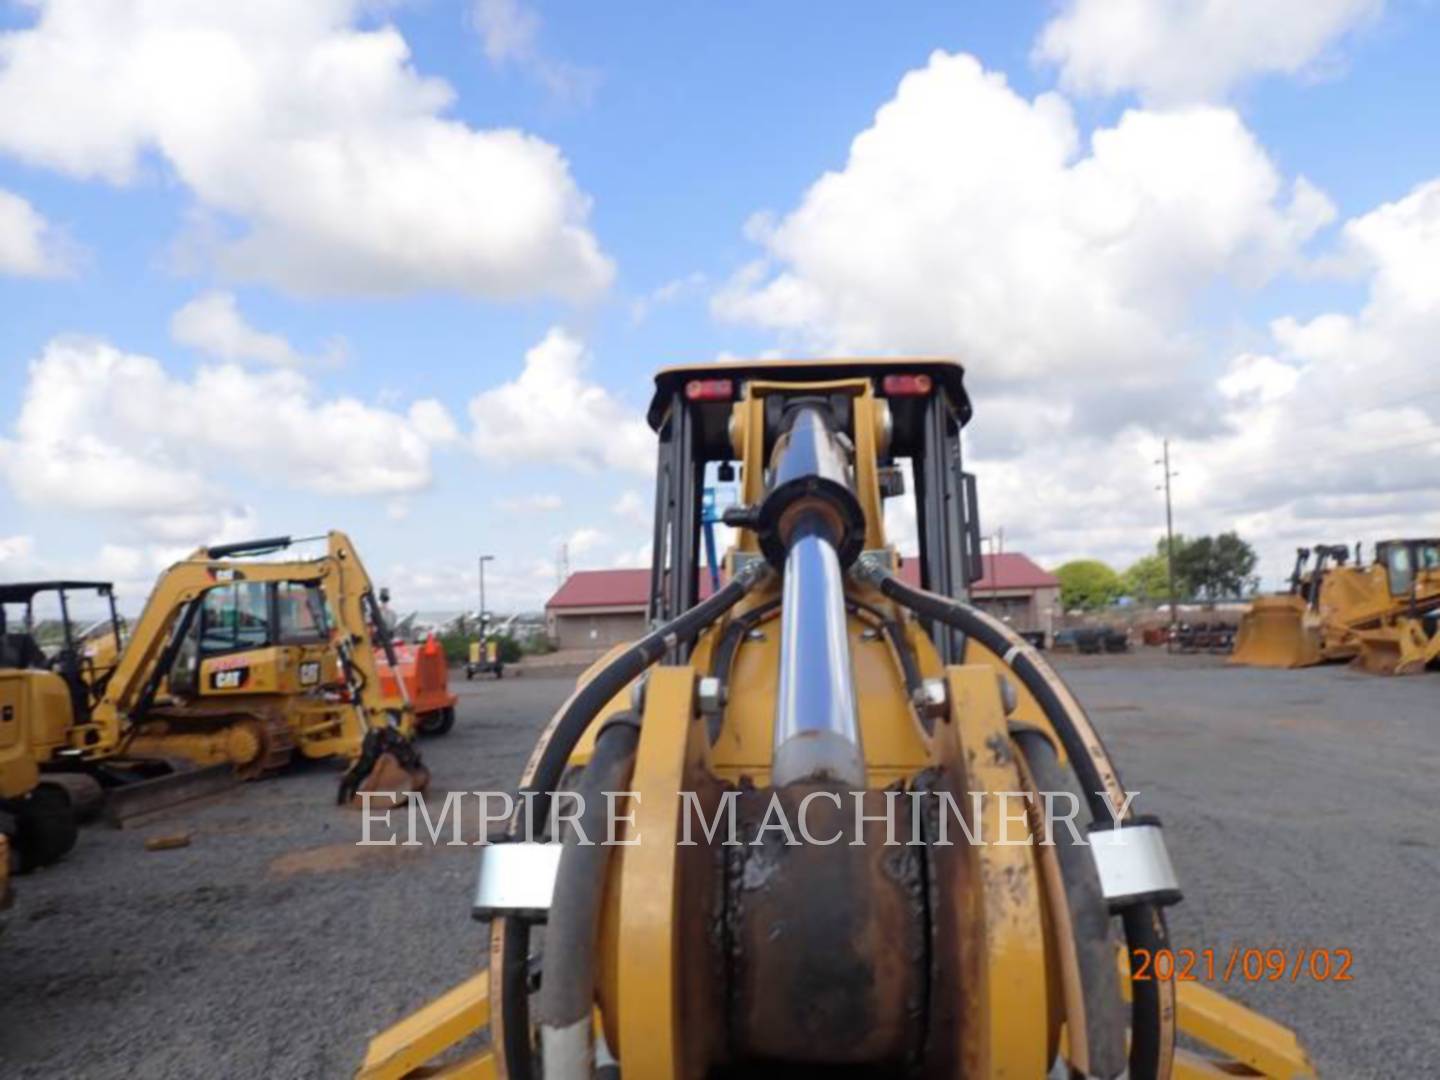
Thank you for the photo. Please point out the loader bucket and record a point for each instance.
(1274, 634)
(1400, 649)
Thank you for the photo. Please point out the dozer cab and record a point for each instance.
(829, 850)
(1406, 640)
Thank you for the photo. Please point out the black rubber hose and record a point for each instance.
(559, 742)
(1020, 657)
(1152, 1000)
(909, 666)
(567, 991)
(1104, 1019)
(585, 704)
(1152, 1012)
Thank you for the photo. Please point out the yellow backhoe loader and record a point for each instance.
(826, 781)
(236, 664)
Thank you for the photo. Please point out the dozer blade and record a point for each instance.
(144, 797)
(1402, 648)
(1274, 634)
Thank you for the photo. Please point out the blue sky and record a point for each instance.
(677, 124)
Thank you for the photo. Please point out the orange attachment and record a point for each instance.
(426, 675)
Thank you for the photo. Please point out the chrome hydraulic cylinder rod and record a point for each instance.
(817, 726)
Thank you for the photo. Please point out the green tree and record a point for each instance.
(1215, 567)
(1147, 579)
(1088, 584)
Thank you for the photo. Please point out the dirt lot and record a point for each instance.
(1300, 807)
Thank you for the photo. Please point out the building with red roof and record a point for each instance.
(596, 609)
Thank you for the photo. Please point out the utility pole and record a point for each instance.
(483, 560)
(1169, 546)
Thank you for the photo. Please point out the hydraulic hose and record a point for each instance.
(1095, 1015)
(547, 765)
(559, 739)
(567, 992)
(1152, 1015)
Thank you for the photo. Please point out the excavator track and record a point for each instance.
(254, 743)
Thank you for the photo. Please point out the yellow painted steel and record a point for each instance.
(1277, 632)
(1003, 954)
(1242, 1035)
(1403, 646)
(1002, 929)
(649, 1022)
(433, 1030)
(298, 682)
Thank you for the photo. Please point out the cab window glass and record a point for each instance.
(301, 611)
(235, 617)
(1401, 570)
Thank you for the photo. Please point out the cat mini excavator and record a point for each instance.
(799, 751)
(236, 664)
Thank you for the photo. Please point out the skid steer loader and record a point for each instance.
(793, 758)
(236, 664)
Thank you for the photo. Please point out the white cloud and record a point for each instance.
(633, 508)
(1192, 50)
(29, 245)
(104, 430)
(1333, 436)
(551, 414)
(668, 293)
(510, 35)
(508, 29)
(314, 138)
(213, 324)
(15, 551)
(970, 221)
(585, 541)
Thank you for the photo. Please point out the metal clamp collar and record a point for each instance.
(516, 878)
(1133, 864)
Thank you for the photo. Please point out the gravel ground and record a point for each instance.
(1300, 809)
(1299, 806)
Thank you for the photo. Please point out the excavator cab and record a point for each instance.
(814, 869)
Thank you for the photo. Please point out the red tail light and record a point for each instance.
(906, 385)
(710, 390)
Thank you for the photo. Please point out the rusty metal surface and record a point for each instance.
(825, 944)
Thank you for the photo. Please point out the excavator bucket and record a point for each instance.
(1401, 648)
(1275, 633)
